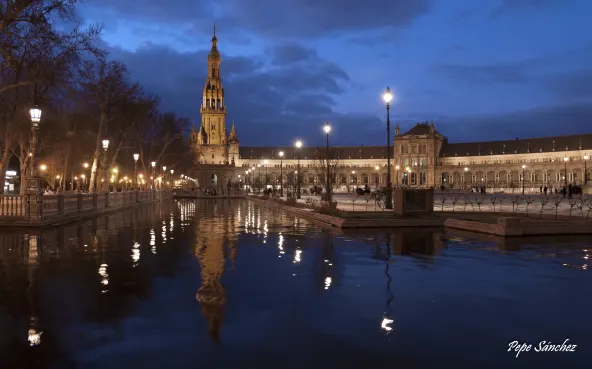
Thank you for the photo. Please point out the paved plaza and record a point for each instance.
(473, 202)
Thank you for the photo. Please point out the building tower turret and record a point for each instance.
(213, 108)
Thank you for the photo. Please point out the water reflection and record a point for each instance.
(157, 284)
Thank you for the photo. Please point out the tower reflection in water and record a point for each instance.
(216, 238)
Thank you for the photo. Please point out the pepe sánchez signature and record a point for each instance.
(541, 346)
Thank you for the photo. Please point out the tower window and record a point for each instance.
(214, 72)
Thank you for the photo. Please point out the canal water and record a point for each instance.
(230, 284)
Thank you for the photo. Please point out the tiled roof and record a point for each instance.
(543, 144)
(419, 129)
(343, 152)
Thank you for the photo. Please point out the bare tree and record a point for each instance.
(106, 87)
(320, 167)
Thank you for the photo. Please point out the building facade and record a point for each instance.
(421, 157)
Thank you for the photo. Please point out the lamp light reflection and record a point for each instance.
(136, 253)
(386, 324)
(297, 256)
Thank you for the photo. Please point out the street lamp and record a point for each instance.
(281, 154)
(153, 164)
(104, 165)
(397, 173)
(136, 157)
(388, 97)
(265, 163)
(298, 146)
(35, 184)
(408, 174)
(465, 177)
(586, 158)
(163, 176)
(565, 160)
(523, 167)
(327, 129)
(259, 166)
(377, 168)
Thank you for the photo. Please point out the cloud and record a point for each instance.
(272, 19)
(575, 84)
(545, 121)
(513, 73)
(291, 52)
(270, 102)
(535, 70)
(508, 6)
(301, 18)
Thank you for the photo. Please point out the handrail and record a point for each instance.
(31, 206)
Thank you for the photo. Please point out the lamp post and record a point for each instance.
(35, 183)
(388, 97)
(153, 164)
(465, 178)
(327, 129)
(397, 174)
(260, 182)
(586, 158)
(136, 157)
(246, 179)
(85, 166)
(352, 181)
(281, 153)
(104, 166)
(565, 160)
(163, 180)
(523, 167)
(377, 168)
(298, 146)
(265, 163)
(408, 174)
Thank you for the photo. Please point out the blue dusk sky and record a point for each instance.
(480, 69)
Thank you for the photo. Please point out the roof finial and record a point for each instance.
(214, 29)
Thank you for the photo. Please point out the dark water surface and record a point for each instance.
(229, 284)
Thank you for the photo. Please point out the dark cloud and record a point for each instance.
(529, 6)
(479, 74)
(536, 122)
(291, 52)
(270, 103)
(172, 10)
(288, 18)
(576, 84)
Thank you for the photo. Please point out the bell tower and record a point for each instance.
(213, 108)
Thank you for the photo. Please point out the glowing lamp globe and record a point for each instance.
(35, 115)
(387, 96)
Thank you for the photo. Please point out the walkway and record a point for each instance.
(472, 202)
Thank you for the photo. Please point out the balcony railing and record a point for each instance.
(42, 207)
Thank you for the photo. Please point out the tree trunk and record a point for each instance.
(116, 153)
(6, 155)
(63, 179)
(24, 172)
(97, 154)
